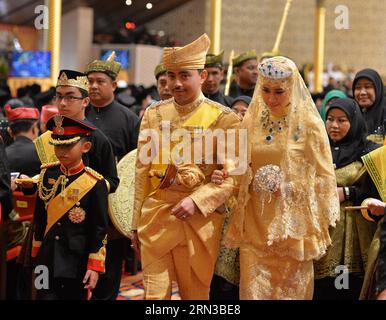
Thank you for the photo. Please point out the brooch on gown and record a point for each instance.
(268, 178)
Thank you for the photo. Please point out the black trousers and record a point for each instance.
(108, 284)
(63, 289)
(324, 288)
(221, 289)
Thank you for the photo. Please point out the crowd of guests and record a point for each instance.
(323, 209)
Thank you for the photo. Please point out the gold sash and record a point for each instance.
(60, 205)
(376, 166)
(203, 118)
(44, 149)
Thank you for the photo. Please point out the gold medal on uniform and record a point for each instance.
(58, 124)
(77, 215)
(74, 195)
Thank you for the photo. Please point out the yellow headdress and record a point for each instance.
(190, 57)
(110, 66)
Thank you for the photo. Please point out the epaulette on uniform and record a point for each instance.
(218, 105)
(50, 165)
(93, 173)
(160, 103)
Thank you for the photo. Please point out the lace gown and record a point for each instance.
(270, 272)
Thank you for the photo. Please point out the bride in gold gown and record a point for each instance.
(287, 200)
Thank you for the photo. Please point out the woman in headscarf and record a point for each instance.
(368, 91)
(352, 236)
(328, 99)
(287, 200)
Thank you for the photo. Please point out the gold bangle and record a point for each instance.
(364, 212)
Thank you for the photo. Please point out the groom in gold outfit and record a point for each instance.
(177, 221)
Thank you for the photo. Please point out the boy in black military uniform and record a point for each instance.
(71, 215)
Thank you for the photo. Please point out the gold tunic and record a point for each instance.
(158, 230)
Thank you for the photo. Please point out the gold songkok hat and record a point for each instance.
(244, 57)
(109, 66)
(159, 69)
(73, 78)
(190, 57)
(214, 61)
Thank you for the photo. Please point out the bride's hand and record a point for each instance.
(218, 176)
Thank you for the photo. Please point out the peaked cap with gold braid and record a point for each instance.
(66, 130)
(109, 66)
(190, 57)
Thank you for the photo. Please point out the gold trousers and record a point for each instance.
(269, 277)
(174, 266)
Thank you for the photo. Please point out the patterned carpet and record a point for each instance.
(132, 288)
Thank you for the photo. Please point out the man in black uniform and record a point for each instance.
(71, 215)
(211, 86)
(6, 208)
(116, 121)
(24, 130)
(121, 126)
(161, 76)
(245, 69)
(5, 183)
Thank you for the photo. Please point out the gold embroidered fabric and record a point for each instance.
(274, 278)
(122, 200)
(228, 261)
(369, 291)
(188, 108)
(295, 224)
(352, 236)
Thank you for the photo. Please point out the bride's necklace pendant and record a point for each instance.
(269, 139)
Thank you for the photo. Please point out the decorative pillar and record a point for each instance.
(216, 26)
(54, 32)
(320, 22)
